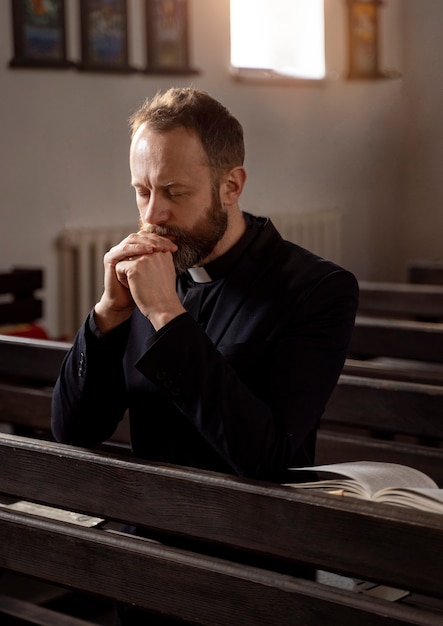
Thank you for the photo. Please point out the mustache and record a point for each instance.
(160, 230)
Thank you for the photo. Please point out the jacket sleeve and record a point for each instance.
(89, 397)
(258, 403)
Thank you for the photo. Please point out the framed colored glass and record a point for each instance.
(39, 33)
(167, 36)
(104, 35)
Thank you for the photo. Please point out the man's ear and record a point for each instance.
(232, 185)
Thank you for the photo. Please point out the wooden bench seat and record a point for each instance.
(223, 550)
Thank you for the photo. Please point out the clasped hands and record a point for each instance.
(139, 271)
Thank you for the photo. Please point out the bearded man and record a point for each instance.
(223, 341)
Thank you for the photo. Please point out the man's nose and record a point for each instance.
(157, 211)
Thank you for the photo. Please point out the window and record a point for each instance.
(281, 37)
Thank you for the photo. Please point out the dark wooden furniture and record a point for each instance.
(397, 338)
(28, 371)
(222, 550)
(401, 300)
(398, 333)
(364, 419)
(426, 272)
(19, 303)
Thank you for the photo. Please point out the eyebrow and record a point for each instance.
(166, 185)
(173, 183)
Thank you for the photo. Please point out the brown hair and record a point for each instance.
(220, 133)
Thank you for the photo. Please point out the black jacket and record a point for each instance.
(245, 394)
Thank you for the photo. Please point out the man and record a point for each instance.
(223, 340)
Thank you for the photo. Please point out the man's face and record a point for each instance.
(176, 197)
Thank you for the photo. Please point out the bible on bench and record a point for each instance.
(389, 483)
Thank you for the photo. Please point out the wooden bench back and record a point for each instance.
(387, 405)
(401, 300)
(259, 531)
(359, 405)
(400, 339)
(37, 361)
(426, 272)
(20, 285)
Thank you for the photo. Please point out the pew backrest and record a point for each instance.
(397, 338)
(22, 305)
(401, 300)
(260, 534)
(387, 405)
(34, 360)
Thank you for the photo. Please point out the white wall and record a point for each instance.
(64, 141)
(422, 203)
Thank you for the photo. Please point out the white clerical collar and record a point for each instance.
(199, 275)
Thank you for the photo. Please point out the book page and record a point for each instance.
(424, 499)
(372, 476)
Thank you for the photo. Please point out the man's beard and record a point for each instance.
(195, 245)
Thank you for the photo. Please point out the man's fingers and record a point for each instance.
(136, 245)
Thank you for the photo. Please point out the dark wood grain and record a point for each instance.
(250, 516)
(20, 285)
(387, 405)
(194, 587)
(23, 612)
(21, 281)
(426, 272)
(34, 359)
(404, 339)
(404, 370)
(401, 299)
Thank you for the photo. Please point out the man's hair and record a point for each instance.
(220, 133)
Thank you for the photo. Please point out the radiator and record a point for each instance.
(81, 250)
(318, 231)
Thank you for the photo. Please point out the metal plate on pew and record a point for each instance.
(53, 513)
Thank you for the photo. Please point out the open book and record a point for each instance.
(389, 483)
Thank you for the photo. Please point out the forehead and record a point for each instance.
(177, 148)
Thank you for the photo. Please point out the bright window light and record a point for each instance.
(284, 36)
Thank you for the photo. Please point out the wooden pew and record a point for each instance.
(426, 272)
(384, 420)
(359, 409)
(398, 332)
(391, 383)
(401, 300)
(333, 447)
(28, 371)
(20, 285)
(223, 550)
(35, 359)
(387, 405)
(395, 369)
(395, 338)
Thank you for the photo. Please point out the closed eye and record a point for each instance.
(142, 192)
(174, 193)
